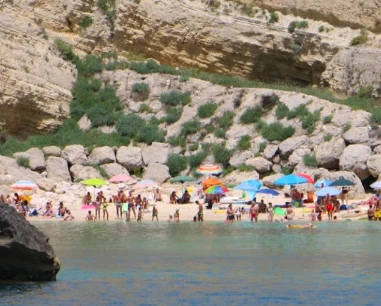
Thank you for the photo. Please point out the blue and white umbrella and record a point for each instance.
(323, 182)
(327, 190)
(290, 179)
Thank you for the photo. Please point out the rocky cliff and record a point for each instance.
(25, 252)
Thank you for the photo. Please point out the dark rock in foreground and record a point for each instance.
(25, 252)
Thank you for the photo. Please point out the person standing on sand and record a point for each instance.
(176, 216)
(118, 203)
(377, 211)
(329, 206)
(131, 204)
(200, 214)
(140, 215)
(230, 214)
(99, 200)
(90, 217)
(155, 213)
(270, 212)
(105, 211)
(370, 213)
(254, 212)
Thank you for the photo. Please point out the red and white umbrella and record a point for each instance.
(24, 185)
(121, 178)
(209, 169)
(307, 177)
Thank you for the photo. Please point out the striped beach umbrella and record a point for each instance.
(209, 169)
(216, 190)
(24, 185)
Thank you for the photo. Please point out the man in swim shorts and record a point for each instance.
(254, 212)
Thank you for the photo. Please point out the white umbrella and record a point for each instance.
(376, 185)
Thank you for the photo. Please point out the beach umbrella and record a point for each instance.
(147, 183)
(96, 182)
(121, 178)
(323, 182)
(209, 169)
(342, 182)
(268, 191)
(24, 185)
(246, 187)
(181, 179)
(290, 179)
(256, 183)
(376, 185)
(211, 181)
(307, 177)
(216, 190)
(327, 190)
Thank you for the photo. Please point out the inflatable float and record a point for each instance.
(291, 226)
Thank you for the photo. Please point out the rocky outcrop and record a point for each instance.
(354, 158)
(57, 169)
(25, 252)
(328, 153)
(79, 172)
(74, 154)
(130, 157)
(156, 153)
(114, 169)
(157, 172)
(101, 155)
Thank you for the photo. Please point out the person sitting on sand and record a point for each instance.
(86, 199)
(155, 213)
(49, 210)
(185, 198)
(173, 198)
(157, 195)
(230, 214)
(90, 217)
(371, 213)
(68, 216)
(176, 216)
(372, 201)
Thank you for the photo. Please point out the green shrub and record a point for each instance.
(321, 28)
(327, 119)
(366, 92)
(244, 143)
(173, 114)
(221, 155)
(287, 170)
(303, 24)
(298, 112)
(85, 22)
(327, 137)
(376, 116)
(220, 133)
(247, 10)
(251, 115)
(177, 141)
(310, 161)
(268, 102)
(175, 98)
(281, 111)
(245, 168)
(297, 25)
(346, 127)
(214, 3)
(140, 88)
(359, 40)
(112, 65)
(226, 120)
(193, 147)
(274, 17)
(23, 161)
(130, 125)
(207, 110)
(276, 131)
(145, 108)
(100, 116)
(292, 26)
(176, 163)
(183, 79)
(309, 121)
(151, 133)
(190, 127)
(196, 160)
(64, 49)
(262, 146)
(89, 65)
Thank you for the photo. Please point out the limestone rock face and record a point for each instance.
(84, 123)
(237, 177)
(130, 157)
(239, 158)
(114, 169)
(25, 252)
(374, 165)
(157, 172)
(46, 184)
(260, 164)
(74, 154)
(269, 180)
(328, 153)
(355, 192)
(101, 155)
(357, 135)
(156, 153)
(354, 158)
(52, 151)
(9, 167)
(80, 172)
(57, 169)
(286, 147)
(36, 159)
(297, 156)
(270, 151)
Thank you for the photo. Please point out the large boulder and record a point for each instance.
(239, 158)
(46, 184)
(354, 158)
(236, 177)
(57, 169)
(262, 165)
(270, 151)
(114, 169)
(156, 153)
(25, 252)
(52, 151)
(74, 154)
(101, 155)
(328, 153)
(355, 192)
(374, 165)
(297, 156)
(157, 172)
(130, 157)
(9, 167)
(36, 159)
(80, 173)
(269, 180)
(356, 135)
(286, 147)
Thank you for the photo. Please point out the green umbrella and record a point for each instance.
(181, 179)
(94, 182)
(342, 182)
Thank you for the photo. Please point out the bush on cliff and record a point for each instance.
(129, 125)
(251, 115)
(276, 131)
(176, 163)
(175, 98)
(207, 110)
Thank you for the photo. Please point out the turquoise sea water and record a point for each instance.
(208, 264)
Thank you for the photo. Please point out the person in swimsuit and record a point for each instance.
(68, 216)
(173, 198)
(200, 214)
(140, 215)
(230, 214)
(176, 216)
(312, 216)
(105, 211)
(145, 203)
(155, 213)
(371, 213)
(118, 203)
(270, 212)
(157, 195)
(90, 217)
(329, 206)
(131, 204)
(61, 210)
(98, 203)
(377, 211)
(254, 213)
(290, 212)
(86, 199)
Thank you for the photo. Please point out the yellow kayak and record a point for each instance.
(300, 226)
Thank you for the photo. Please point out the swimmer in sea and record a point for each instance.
(200, 214)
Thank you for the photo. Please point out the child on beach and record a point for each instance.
(176, 216)
(155, 213)
(140, 214)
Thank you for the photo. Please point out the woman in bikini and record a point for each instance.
(329, 206)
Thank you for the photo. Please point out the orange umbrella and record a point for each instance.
(212, 181)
